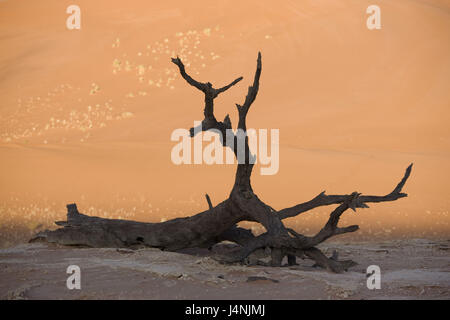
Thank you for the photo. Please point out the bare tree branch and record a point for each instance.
(245, 166)
(324, 200)
(219, 91)
(208, 199)
(329, 263)
(251, 95)
(199, 85)
(331, 229)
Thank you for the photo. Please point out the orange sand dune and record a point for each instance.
(86, 115)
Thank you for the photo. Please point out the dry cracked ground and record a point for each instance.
(410, 269)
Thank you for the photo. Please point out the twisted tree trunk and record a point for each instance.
(218, 223)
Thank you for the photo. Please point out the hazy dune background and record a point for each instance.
(86, 115)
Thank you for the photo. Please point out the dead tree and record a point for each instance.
(218, 223)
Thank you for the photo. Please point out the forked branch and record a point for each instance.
(209, 122)
(325, 200)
